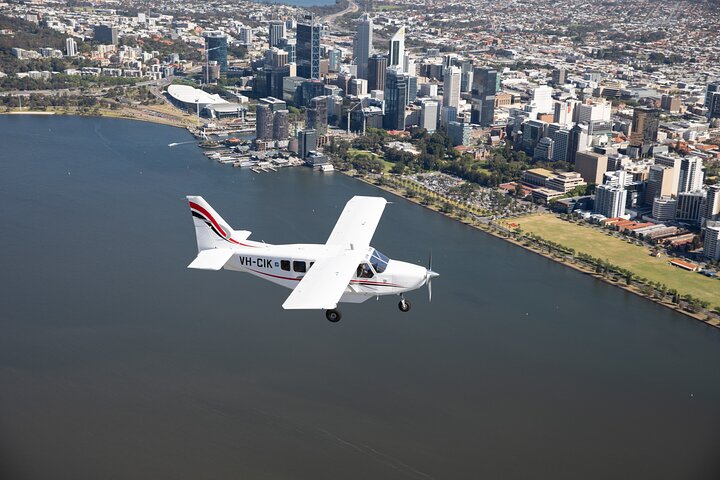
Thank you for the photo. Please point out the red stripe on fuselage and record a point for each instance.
(361, 282)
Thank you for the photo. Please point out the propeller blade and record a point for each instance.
(429, 290)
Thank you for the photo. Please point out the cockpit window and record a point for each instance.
(379, 261)
(364, 271)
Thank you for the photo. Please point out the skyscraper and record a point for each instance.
(559, 76)
(484, 87)
(644, 129)
(362, 46)
(276, 33)
(396, 84)
(216, 45)
(377, 66)
(70, 47)
(451, 87)
(396, 49)
(308, 47)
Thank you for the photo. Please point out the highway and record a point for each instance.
(329, 20)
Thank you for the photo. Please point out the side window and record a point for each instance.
(285, 265)
(364, 271)
(299, 266)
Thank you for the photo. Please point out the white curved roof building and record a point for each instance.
(193, 97)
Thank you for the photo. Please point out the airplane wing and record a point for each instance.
(357, 222)
(213, 259)
(325, 282)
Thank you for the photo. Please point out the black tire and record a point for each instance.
(333, 316)
(404, 306)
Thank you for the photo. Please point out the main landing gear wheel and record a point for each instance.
(404, 305)
(333, 315)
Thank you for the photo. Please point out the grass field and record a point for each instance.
(619, 252)
(387, 165)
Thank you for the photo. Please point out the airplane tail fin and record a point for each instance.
(211, 230)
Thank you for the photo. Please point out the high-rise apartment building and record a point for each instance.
(610, 201)
(70, 47)
(307, 142)
(263, 122)
(691, 174)
(690, 206)
(712, 240)
(105, 34)
(317, 115)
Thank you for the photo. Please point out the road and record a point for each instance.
(329, 20)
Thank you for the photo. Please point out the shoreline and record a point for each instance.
(124, 114)
(712, 322)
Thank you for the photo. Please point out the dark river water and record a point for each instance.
(117, 362)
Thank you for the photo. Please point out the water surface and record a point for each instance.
(118, 362)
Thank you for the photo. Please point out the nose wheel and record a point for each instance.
(333, 315)
(404, 305)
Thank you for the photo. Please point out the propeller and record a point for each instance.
(429, 275)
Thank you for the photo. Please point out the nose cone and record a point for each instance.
(406, 274)
(430, 274)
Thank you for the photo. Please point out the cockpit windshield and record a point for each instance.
(379, 261)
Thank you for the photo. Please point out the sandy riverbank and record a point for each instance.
(714, 322)
(152, 114)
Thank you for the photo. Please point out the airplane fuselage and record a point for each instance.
(286, 265)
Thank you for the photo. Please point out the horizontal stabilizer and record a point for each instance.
(240, 235)
(213, 259)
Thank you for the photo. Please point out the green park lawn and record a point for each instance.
(637, 259)
(355, 152)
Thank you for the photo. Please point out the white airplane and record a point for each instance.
(344, 269)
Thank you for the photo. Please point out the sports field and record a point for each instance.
(637, 259)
